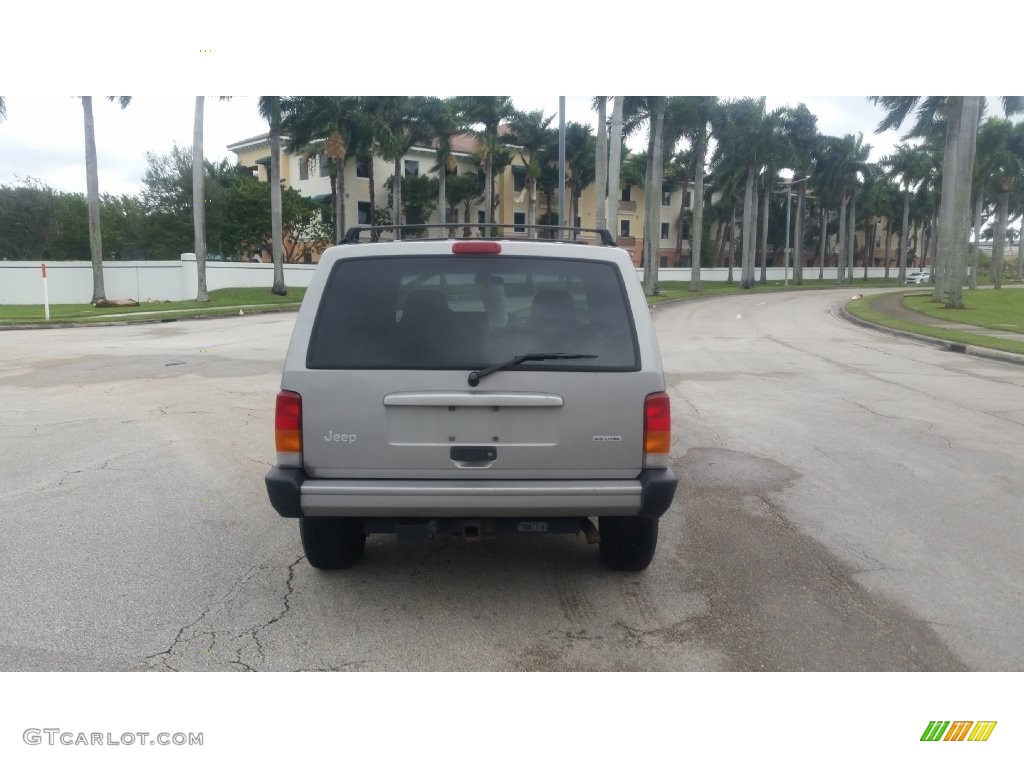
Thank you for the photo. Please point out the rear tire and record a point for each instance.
(332, 542)
(628, 543)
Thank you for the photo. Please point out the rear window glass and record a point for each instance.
(468, 312)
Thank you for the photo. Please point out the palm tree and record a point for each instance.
(614, 164)
(962, 114)
(530, 133)
(652, 197)
(488, 111)
(909, 166)
(339, 120)
(801, 129)
(701, 111)
(93, 195)
(745, 131)
(443, 122)
(580, 147)
(841, 166)
(601, 163)
(1001, 156)
(270, 110)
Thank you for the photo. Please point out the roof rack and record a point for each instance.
(457, 230)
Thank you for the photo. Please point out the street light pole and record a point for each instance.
(789, 201)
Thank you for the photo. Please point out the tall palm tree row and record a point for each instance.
(961, 114)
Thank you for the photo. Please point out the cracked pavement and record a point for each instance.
(849, 501)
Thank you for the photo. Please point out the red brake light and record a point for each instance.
(288, 423)
(657, 423)
(476, 246)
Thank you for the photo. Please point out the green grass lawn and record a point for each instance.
(1001, 310)
(862, 308)
(224, 301)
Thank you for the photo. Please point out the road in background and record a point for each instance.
(850, 501)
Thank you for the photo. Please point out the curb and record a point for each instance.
(143, 321)
(841, 312)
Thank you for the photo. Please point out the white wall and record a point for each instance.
(70, 282)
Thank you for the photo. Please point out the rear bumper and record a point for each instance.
(293, 494)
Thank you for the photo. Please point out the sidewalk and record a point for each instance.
(891, 304)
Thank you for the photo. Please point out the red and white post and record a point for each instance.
(46, 292)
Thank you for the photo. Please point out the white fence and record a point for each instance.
(70, 282)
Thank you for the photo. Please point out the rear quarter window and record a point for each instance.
(467, 312)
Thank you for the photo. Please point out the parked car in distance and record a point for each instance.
(473, 387)
(919, 276)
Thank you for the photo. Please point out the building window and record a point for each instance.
(363, 167)
(624, 228)
(480, 218)
(664, 231)
(666, 196)
(664, 261)
(412, 167)
(579, 222)
(364, 212)
(518, 178)
(303, 167)
(626, 192)
(324, 163)
(519, 219)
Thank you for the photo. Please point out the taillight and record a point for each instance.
(476, 246)
(288, 429)
(657, 430)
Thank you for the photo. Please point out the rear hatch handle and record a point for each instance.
(475, 376)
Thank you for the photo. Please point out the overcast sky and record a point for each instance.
(167, 59)
(42, 137)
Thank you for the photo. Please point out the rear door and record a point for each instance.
(386, 387)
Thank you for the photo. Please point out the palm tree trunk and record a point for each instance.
(841, 256)
(199, 200)
(976, 249)
(851, 235)
(999, 236)
(92, 184)
(798, 238)
(682, 219)
(888, 244)
(442, 200)
(732, 241)
(822, 242)
(339, 199)
(746, 267)
(754, 199)
(276, 228)
(970, 107)
(869, 246)
(652, 197)
(697, 229)
(396, 193)
(947, 201)
(601, 166)
(614, 164)
(531, 209)
(488, 185)
(371, 180)
(1020, 250)
(764, 234)
(904, 236)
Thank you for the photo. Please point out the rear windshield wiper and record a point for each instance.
(475, 376)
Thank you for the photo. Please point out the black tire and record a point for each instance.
(628, 543)
(332, 542)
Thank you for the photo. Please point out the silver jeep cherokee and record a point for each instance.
(473, 387)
